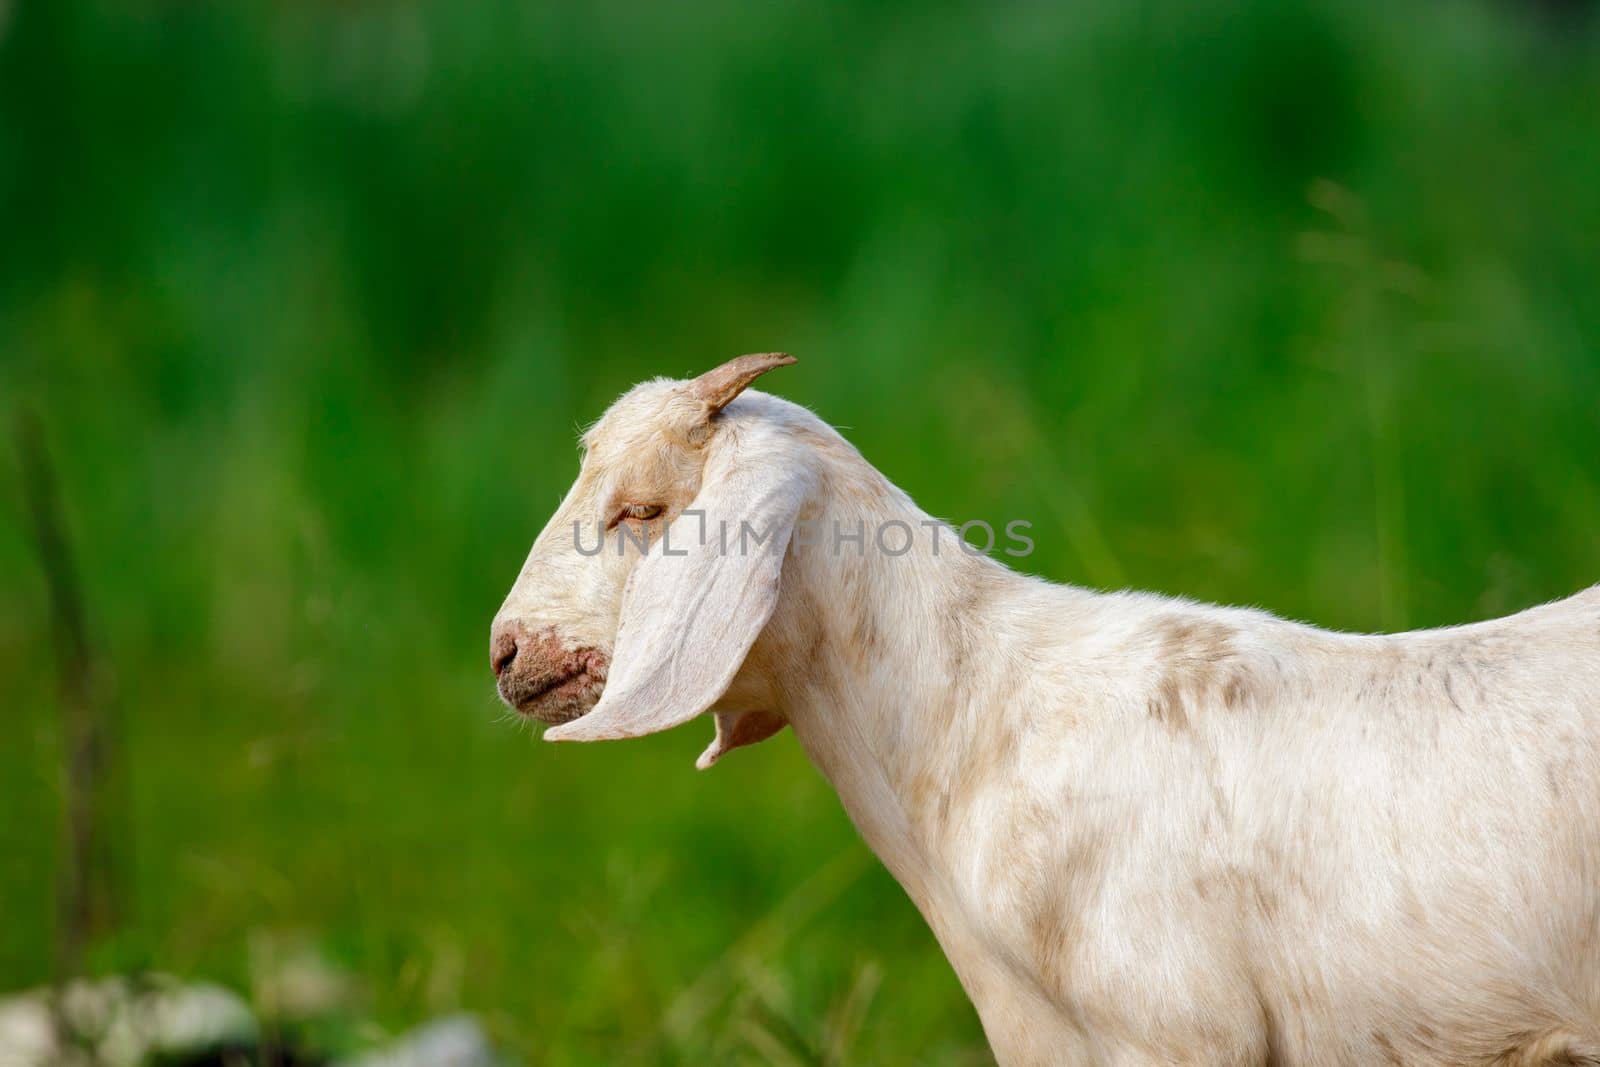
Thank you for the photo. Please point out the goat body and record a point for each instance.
(1144, 830)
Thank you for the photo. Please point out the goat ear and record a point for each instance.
(701, 596)
(716, 388)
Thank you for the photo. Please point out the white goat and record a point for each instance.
(1144, 830)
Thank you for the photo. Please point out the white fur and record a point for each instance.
(1144, 830)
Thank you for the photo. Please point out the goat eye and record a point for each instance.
(642, 512)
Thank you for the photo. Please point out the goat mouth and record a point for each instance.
(559, 699)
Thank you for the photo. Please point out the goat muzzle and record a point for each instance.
(542, 677)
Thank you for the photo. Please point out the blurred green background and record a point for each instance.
(1287, 304)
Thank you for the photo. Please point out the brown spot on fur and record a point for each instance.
(1266, 899)
(1167, 703)
(1053, 928)
(866, 639)
(1198, 660)
(1238, 888)
(805, 646)
(1235, 691)
(1050, 936)
(1542, 1050)
(1390, 1054)
(969, 603)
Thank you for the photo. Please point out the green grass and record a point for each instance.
(1290, 305)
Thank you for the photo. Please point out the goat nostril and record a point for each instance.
(503, 661)
(502, 653)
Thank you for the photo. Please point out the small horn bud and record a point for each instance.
(716, 388)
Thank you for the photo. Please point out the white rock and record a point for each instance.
(122, 1021)
(454, 1041)
(27, 1031)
